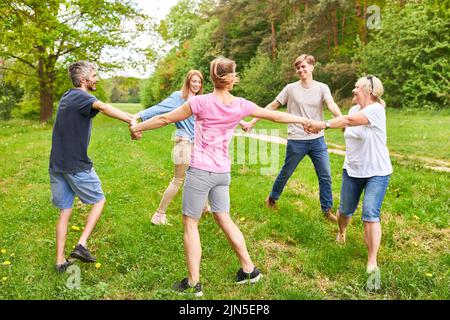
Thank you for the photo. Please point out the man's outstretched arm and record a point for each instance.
(113, 112)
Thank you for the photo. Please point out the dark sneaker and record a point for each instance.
(82, 253)
(61, 268)
(271, 203)
(184, 287)
(244, 277)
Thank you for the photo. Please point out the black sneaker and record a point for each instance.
(244, 277)
(61, 268)
(82, 253)
(184, 287)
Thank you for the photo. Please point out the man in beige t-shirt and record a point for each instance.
(304, 98)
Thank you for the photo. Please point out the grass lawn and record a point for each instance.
(294, 247)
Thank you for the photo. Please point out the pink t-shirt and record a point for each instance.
(214, 126)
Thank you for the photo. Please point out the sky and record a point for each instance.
(158, 9)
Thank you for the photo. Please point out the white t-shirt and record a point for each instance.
(304, 102)
(366, 152)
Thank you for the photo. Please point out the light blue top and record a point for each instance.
(185, 128)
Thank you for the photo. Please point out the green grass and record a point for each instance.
(294, 247)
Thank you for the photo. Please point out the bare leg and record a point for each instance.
(372, 237)
(182, 158)
(343, 222)
(192, 248)
(236, 240)
(61, 234)
(92, 219)
(173, 188)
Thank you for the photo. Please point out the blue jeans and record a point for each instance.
(317, 150)
(374, 191)
(85, 184)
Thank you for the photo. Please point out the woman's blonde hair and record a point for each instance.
(223, 72)
(186, 85)
(373, 86)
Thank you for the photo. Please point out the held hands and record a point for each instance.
(316, 126)
(246, 126)
(132, 122)
(134, 133)
(313, 126)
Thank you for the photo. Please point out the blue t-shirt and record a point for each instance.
(72, 132)
(185, 128)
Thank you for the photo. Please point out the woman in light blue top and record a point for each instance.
(184, 137)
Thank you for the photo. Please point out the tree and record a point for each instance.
(10, 96)
(413, 61)
(41, 36)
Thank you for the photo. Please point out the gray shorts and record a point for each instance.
(200, 185)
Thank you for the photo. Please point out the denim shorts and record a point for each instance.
(374, 191)
(201, 184)
(85, 184)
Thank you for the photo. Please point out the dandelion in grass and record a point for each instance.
(242, 219)
(75, 228)
(429, 275)
(3, 251)
(98, 265)
(6, 263)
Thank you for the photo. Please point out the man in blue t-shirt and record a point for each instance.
(71, 171)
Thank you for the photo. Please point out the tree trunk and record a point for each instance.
(364, 23)
(334, 23)
(361, 20)
(46, 82)
(273, 17)
(343, 28)
(273, 40)
(46, 102)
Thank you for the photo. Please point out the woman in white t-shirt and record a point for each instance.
(367, 165)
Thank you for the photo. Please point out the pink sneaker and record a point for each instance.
(159, 218)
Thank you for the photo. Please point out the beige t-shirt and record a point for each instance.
(304, 102)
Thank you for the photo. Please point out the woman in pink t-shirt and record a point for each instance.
(216, 116)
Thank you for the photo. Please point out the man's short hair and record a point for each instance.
(80, 69)
(309, 59)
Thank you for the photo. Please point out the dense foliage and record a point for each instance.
(405, 43)
(39, 38)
